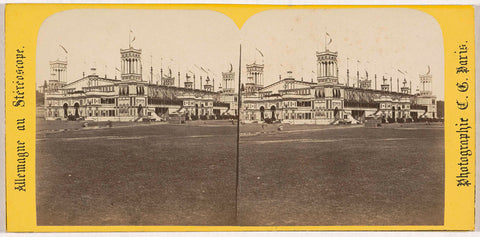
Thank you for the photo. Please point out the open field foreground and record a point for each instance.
(343, 176)
(137, 175)
(160, 174)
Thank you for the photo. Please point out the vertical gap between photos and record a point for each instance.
(239, 101)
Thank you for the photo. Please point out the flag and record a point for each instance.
(400, 71)
(203, 69)
(231, 67)
(330, 38)
(133, 39)
(259, 51)
(64, 49)
(117, 69)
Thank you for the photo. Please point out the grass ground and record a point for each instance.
(137, 175)
(343, 176)
(160, 174)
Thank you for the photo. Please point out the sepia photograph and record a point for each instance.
(301, 117)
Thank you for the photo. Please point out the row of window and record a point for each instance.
(383, 106)
(298, 116)
(107, 100)
(102, 89)
(304, 103)
(125, 90)
(193, 103)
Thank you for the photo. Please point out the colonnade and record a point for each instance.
(131, 66)
(59, 74)
(257, 77)
(327, 69)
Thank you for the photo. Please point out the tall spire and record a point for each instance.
(348, 74)
(151, 69)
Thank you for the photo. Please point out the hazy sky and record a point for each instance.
(383, 40)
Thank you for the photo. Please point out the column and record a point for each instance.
(135, 66)
(332, 73)
(335, 69)
(329, 68)
(327, 65)
(324, 69)
(322, 66)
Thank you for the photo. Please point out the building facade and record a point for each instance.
(327, 101)
(129, 98)
(288, 100)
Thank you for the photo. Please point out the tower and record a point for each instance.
(385, 86)
(426, 81)
(168, 79)
(405, 89)
(58, 71)
(131, 63)
(365, 83)
(254, 77)
(228, 81)
(207, 86)
(327, 68)
(329, 94)
(188, 83)
(425, 96)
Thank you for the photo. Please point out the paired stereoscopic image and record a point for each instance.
(312, 117)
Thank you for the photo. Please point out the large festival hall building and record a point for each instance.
(288, 100)
(327, 101)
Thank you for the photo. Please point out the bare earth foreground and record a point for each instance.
(159, 174)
